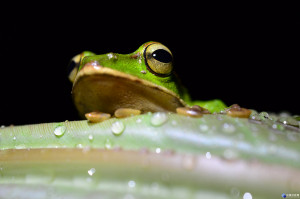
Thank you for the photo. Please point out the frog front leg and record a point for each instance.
(211, 105)
(96, 117)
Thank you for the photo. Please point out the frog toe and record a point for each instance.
(95, 117)
(126, 112)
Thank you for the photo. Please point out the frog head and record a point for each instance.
(143, 80)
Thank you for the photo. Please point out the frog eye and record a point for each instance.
(159, 59)
(74, 64)
(73, 67)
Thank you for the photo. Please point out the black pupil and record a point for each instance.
(162, 56)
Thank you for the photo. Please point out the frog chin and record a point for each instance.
(103, 89)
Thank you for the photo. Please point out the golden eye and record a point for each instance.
(159, 59)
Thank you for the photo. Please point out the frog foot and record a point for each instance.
(96, 117)
(194, 111)
(236, 111)
(126, 112)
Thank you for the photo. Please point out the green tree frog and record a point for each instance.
(143, 80)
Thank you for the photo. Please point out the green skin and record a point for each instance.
(134, 64)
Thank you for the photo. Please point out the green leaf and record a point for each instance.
(215, 156)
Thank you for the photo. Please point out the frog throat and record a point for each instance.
(103, 89)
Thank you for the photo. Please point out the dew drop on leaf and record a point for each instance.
(91, 171)
(91, 137)
(131, 184)
(118, 127)
(247, 195)
(59, 130)
(157, 150)
(107, 144)
(208, 155)
(159, 118)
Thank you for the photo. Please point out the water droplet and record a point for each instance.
(255, 117)
(228, 128)
(14, 138)
(203, 127)
(110, 55)
(107, 144)
(21, 146)
(118, 127)
(91, 171)
(139, 120)
(247, 195)
(157, 150)
(283, 120)
(79, 146)
(264, 115)
(208, 155)
(59, 130)
(278, 127)
(222, 112)
(159, 118)
(91, 137)
(131, 184)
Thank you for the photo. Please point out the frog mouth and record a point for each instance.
(98, 88)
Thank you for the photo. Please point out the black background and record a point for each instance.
(244, 56)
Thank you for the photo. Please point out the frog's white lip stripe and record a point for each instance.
(94, 69)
